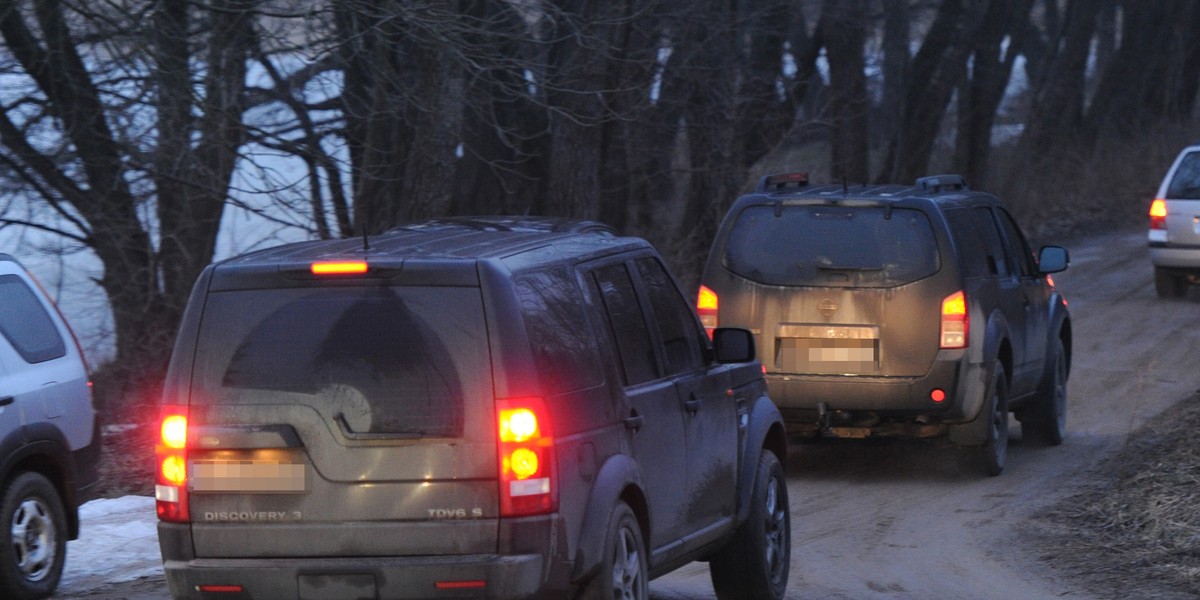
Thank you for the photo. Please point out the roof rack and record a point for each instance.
(935, 184)
(779, 181)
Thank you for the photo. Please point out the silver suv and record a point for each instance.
(49, 436)
(1175, 226)
(458, 411)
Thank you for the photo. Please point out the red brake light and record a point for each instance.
(706, 307)
(525, 447)
(1158, 214)
(955, 321)
(170, 478)
(349, 267)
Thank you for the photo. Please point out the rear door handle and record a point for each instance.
(5, 401)
(692, 405)
(635, 423)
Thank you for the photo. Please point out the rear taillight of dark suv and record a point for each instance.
(170, 480)
(528, 466)
(955, 321)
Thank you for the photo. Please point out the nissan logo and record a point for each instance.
(827, 307)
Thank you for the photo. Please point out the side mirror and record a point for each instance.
(733, 345)
(1052, 259)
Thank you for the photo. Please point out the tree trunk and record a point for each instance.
(980, 95)
(844, 33)
(935, 72)
(1056, 117)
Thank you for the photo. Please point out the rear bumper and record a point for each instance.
(860, 401)
(1162, 255)
(472, 576)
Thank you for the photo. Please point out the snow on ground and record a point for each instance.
(118, 541)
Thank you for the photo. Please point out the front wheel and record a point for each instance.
(624, 571)
(754, 564)
(1048, 421)
(33, 552)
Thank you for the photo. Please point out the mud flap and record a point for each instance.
(974, 432)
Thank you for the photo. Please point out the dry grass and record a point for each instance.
(1135, 531)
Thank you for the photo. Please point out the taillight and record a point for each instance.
(170, 479)
(955, 321)
(528, 468)
(706, 307)
(1158, 214)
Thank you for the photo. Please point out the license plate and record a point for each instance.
(248, 476)
(828, 349)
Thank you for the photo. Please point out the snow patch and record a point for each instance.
(118, 542)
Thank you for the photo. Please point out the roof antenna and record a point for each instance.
(845, 186)
(366, 245)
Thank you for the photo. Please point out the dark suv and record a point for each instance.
(908, 311)
(451, 412)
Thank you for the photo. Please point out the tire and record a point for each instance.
(1047, 420)
(1168, 284)
(624, 572)
(991, 456)
(35, 546)
(754, 564)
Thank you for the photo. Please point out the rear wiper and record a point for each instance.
(836, 268)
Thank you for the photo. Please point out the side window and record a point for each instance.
(673, 317)
(627, 324)
(25, 324)
(564, 351)
(1017, 246)
(996, 257)
(972, 248)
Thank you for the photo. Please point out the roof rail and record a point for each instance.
(935, 184)
(772, 183)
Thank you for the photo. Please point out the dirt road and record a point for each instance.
(898, 519)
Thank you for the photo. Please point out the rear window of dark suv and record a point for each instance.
(383, 360)
(839, 246)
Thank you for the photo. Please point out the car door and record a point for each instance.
(1007, 295)
(1035, 298)
(709, 414)
(652, 410)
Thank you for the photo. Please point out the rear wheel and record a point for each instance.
(624, 572)
(1047, 419)
(991, 456)
(754, 564)
(1169, 284)
(33, 552)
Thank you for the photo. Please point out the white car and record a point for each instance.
(1175, 226)
(49, 438)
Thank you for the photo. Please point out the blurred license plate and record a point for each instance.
(257, 476)
(828, 349)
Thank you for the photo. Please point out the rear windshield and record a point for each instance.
(383, 360)
(1186, 183)
(840, 246)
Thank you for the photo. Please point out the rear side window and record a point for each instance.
(628, 324)
(381, 360)
(26, 324)
(562, 345)
(1186, 182)
(839, 246)
(674, 318)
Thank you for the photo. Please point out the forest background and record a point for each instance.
(141, 136)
